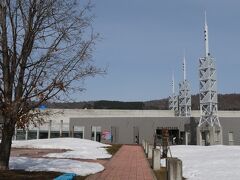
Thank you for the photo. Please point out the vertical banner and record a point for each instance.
(106, 135)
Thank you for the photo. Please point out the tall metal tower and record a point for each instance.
(209, 131)
(173, 99)
(184, 94)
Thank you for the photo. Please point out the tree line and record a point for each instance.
(225, 102)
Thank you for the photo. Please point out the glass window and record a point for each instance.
(20, 135)
(230, 136)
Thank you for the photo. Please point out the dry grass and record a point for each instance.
(113, 148)
(161, 174)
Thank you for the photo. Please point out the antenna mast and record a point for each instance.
(173, 99)
(209, 131)
(184, 94)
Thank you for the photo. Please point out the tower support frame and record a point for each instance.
(209, 130)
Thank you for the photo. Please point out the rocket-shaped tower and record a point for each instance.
(209, 131)
(173, 99)
(184, 94)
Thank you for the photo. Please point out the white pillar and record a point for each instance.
(61, 128)
(26, 134)
(186, 138)
(174, 169)
(49, 129)
(95, 134)
(83, 130)
(220, 135)
(156, 159)
(143, 143)
(150, 148)
(146, 148)
(38, 131)
(199, 136)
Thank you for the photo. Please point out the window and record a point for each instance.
(96, 133)
(230, 138)
(218, 136)
(20, 134)
(78, 132)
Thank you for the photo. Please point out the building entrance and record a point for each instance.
(96, 133)
(136, 135)
(114, 134)
(174, 135)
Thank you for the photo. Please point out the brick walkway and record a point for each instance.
(129, 163)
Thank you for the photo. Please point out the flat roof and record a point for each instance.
(131, 113)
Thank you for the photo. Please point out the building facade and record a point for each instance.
(128, 126)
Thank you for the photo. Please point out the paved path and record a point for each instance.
(129, 163)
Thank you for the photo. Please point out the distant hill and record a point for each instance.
(226, 102)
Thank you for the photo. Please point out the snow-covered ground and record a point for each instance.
(209, 162)
(78, 148)
(199, 162)
(58, 165)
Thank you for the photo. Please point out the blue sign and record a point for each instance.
(42, 107)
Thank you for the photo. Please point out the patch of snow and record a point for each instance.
(58, 165)
(209, 162)
(80, 148)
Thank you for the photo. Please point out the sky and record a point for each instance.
(143, 42)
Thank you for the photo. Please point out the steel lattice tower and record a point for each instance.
(184, 94)
(173, 99)
(209, 126)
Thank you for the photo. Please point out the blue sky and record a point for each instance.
(143, 42)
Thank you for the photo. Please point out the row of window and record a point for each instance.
(78, 132)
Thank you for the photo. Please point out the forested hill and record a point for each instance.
(226, 102)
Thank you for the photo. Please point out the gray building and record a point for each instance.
(128, 126)
(144, 124)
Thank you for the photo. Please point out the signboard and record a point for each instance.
(106, 135)
(42, 107)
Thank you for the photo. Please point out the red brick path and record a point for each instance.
(129, 163)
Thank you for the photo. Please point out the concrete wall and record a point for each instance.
(148, 125)
(143, 121)
(230, 124)
(125, 126)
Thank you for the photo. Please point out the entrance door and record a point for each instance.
(114, 134)
(96, 133)
(205, 138)
(173, 136)
(98, 137)
(136, 135)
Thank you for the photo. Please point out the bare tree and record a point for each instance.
(45, 46)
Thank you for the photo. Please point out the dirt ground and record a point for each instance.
(39, 153)
(34, 153)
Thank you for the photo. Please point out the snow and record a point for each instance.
(209, 162)
(199, 162)
(80, 148)
(58, 165)
(61, 162)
